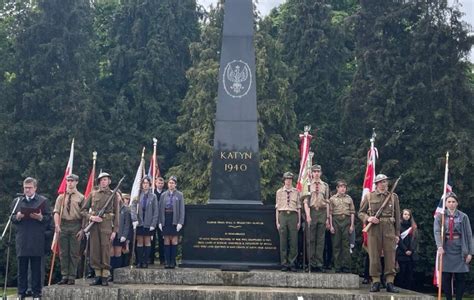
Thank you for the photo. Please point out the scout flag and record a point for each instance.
(138, 178)
(304, 174)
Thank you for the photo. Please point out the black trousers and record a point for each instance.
(404, 278)
(459, 285)
(35, 263)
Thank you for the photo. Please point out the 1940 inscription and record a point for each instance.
(232, 160)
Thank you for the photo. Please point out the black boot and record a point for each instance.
(97, 281)
(167, 256)
(391, 288)
(146, 256)
(375, 287)
(139, 256)
(173, 255)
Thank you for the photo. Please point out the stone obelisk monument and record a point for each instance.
(235, 165)
(231, 232)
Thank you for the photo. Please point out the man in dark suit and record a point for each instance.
(30, 218)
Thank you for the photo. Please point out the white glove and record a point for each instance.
(160, 226)
(152, 228)
(135, 224)
(122, 239)
(178, 227)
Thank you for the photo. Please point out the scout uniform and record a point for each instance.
(287, 206)
(68, 206)
(100, 232)
(382, 236)
(318, 212)
(341, 208)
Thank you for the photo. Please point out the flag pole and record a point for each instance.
(86, 250)
(372, 152)
(440, 271)
(153, 174)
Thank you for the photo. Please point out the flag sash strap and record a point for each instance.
(404, 234)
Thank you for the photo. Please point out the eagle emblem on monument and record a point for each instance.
(237, 78)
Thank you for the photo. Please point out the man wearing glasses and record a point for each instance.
(317, 214)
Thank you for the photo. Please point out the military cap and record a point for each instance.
(173, 178)
(72, 177)
(380, 177)
(102, 175)
(288, 175)
(341, 182)
(316, 168)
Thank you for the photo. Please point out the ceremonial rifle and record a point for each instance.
(102, 210)
(385, 202)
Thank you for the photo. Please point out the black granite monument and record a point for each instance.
(234, 230)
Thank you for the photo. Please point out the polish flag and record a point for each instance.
(369, 185)
(68, 171)
(303, 176)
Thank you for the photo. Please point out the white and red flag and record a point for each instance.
(305, 142)
(447, 188)
(90, 181)
(68, 171)
(135, 193)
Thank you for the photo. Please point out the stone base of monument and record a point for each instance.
(183, 283)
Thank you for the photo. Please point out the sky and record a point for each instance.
(264, 6)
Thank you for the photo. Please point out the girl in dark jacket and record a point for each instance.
(144, 213)
(406, 250)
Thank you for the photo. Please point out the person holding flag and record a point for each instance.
(144, 212)
(67, 224)
(317, 214)
(455, 245)
(384, 232)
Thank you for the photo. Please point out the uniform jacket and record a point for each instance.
(96, 201)
(124, 222)
(150, 219)
(373, 201)
(178, 207)
(31, 233)
(462, 226)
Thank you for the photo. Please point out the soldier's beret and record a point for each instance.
(288, 175)
(316, 168)
(72, 177)
(451, 194)
(341, 182)
(173, 178)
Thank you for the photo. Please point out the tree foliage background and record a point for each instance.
(113, 74)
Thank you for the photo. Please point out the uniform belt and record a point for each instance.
(104, 216)
(71, 221)
(341, 216)
(287, 212)
(168, 210)
(318, 208)
(454, 236)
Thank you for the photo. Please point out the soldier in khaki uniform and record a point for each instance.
(341, 218)
(104, 229)
(68, 222)
(317, 214)
(383, 234)
(288, 216)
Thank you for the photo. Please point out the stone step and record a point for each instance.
(198, 292)
(260, 278)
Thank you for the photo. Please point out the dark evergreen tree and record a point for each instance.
(412, 86)
(317, 47)
(146, 80)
